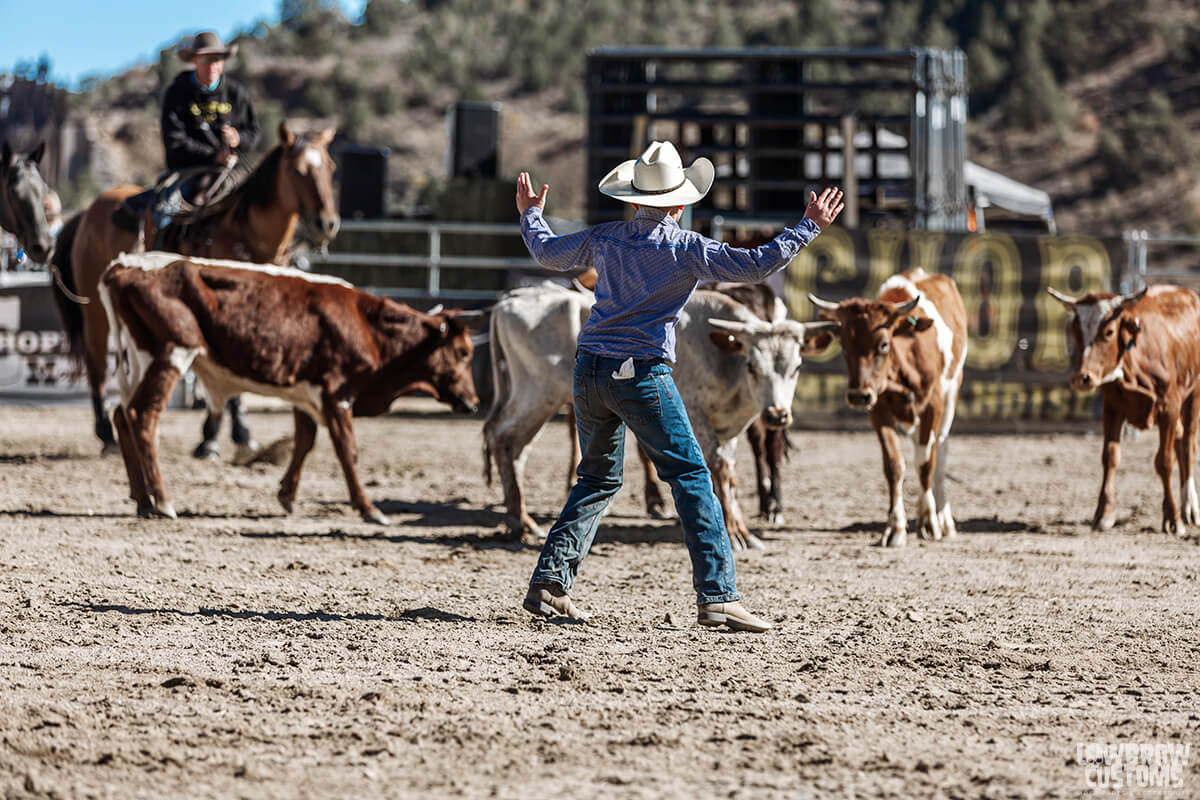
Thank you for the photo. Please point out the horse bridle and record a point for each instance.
(15, 224)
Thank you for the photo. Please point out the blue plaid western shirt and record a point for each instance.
(648, 269)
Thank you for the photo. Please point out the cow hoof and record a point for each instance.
(375, 516)
(1104, 523)
(755, 543)
(658, 511)
(110, 449)
(207, 450)
(894, 538)
(148, 509)
(929, 529)
(287, 502)
(774, 517)
(244, 453)
(1174, 526)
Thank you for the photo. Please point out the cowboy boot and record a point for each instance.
(732, 614)
(546, 600)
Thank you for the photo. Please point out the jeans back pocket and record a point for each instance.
(639, 399)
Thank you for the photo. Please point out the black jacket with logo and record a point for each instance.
(192, 118)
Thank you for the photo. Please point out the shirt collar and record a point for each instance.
(654, 216)
(211, 88)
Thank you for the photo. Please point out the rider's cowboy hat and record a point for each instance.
(657, 178)
(206, 43)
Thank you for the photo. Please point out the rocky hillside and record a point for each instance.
(1102, 115)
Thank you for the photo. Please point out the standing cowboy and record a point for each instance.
(648, 268)
(207, 119)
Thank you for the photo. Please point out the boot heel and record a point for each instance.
(538, 608)
(711, 618)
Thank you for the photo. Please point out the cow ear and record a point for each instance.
(6, 157)
(38, 152)
(908, 325)
(437, 327)
(818, 337)
(286, 137)
(726, 342)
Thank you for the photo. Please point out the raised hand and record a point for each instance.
(525, 194)
(824, 209)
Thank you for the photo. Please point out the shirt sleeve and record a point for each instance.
(711, 260)
(247, 123)
(560, 253)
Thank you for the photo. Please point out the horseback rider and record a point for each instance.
(207, 119)
(207, 125)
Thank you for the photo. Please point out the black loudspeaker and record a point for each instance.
(474, 140)
(363, 175)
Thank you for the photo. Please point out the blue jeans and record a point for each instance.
(650, 405)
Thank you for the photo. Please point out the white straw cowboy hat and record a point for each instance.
(657, 178)
(206, 43)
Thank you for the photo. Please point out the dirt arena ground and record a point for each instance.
(238, 652)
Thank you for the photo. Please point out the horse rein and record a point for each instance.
(18, 229)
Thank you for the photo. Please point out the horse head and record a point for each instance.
(22, 198)
(306, 173)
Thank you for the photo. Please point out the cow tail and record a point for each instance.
(499, 394)
(70, 310)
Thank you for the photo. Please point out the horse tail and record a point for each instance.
(64, 287)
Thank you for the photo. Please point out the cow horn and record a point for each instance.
(1066, 300)
(824, 305)
(1130, 299)
(904, 308)
(813, 328)
(730, 325)
(472, 314)
(435, 310)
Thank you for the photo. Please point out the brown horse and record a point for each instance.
(293, 185)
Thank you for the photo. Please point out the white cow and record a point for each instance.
(731, 366)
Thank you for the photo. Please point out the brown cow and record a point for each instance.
(1141, 352)
(313, 340)
(904, 354)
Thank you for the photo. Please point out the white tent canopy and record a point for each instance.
(993, 189)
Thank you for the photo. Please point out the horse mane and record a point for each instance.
(257, 189)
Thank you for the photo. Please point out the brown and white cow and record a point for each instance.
(315, 341)
(1141, 351)
(904, 354)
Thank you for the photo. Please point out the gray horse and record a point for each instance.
(22, 194)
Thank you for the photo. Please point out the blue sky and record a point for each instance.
(84, 37)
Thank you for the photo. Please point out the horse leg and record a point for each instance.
(96, 361)
(212, 426)
(245, 446)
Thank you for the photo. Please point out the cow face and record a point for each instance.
(868, 333)
(22, 206)
(1103, 328)
(309, 176)
(772, 353)
(450, 361)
